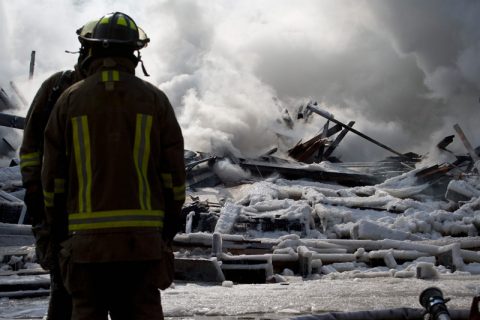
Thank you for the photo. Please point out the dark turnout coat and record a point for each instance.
(113, 170)
(31, 150)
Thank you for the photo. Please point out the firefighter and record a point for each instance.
(114, 179)
(31, 157)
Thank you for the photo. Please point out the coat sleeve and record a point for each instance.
(173, 175)
(54, 170)
(31, 150)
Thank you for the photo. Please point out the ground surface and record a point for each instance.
(269, 301)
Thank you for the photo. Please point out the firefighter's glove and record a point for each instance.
(44, 248)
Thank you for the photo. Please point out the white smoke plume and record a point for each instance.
(405, 71)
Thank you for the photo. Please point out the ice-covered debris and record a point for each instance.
(330, 167)
(227, 284)
(228, 215)
(426, 270)
(277, 278)
(10, 174)
(403, 186)
(5, 267)
(364, 229)
(463, 190)
(472, 268)
(404, 274)
(289, 244)
(345, 266)
(269, 205)
(262, 191)
(379, 200)
(288, 272)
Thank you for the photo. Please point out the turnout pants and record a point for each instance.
(125, 290)
(60, 305)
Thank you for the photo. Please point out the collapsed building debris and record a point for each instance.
(12, 121)
(319, 147)
(5, 102)
(311, 218)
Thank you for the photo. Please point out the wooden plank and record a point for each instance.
(466, 143)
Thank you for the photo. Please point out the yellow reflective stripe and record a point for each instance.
(59, 185)
(81, 146)
(115, 219)
(116, 224)
(30, 159)
(104, 76)
(30, 156)
(146, 157)
(136, 146)
(115, 213)
(48, 198)
(47, 194)
(141, 156)
(121, 21)
(29, 163)
(179, 193)
(110, 75)
(88, 164)
(104, 20)
(167, 180)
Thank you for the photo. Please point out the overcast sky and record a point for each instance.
(405, 71)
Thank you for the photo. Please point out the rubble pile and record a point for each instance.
(259, 219)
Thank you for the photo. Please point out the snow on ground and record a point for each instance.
(396, 210)
(282, 300)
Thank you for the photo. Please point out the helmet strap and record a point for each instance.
(139, 57)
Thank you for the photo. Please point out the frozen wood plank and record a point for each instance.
(25, 294)
(16, 283)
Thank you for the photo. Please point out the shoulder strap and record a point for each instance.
(62, 83)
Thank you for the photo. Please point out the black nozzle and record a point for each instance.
(434, 303)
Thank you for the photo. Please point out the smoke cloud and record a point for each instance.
(405, 71)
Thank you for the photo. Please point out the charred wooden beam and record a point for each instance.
(304, 152)
(337, 140)
(321, 148)
(32, 65)
(12, 121)
(445, 142)
(433, 173)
